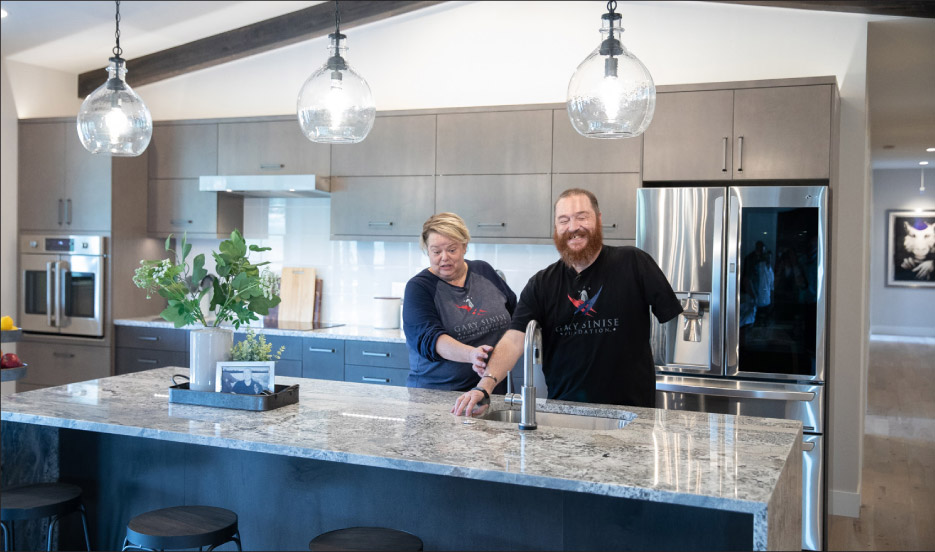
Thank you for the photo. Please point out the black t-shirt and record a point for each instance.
(596, 326)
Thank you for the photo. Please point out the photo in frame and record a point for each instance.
(246, 378)
(910, 248)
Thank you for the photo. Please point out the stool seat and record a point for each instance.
(39, 500)
(366, 538)
(183, 527)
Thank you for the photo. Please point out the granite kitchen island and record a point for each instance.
(354, 454)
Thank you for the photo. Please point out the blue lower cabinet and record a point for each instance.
(290, 368)
(376, 374)
(293, 345)
(323, 359)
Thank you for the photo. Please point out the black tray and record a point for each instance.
(284, 395)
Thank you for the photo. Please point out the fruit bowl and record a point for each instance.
(13, 372)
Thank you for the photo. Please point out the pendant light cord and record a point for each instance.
(611, 7)
(117, 49)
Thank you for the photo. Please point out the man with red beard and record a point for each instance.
(593, 306)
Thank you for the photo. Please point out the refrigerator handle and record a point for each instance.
(717, 253)
(60, 293)
(733, 277)
(49, 293)
(806, 396)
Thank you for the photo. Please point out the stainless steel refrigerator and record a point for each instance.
(749, 264)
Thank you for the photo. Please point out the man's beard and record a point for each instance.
(571, 257)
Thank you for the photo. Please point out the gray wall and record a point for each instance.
(898, 310)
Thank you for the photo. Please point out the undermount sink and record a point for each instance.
(554, 419)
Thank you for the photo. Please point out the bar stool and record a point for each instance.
(36, 501)
(182, 527)
(366, 538)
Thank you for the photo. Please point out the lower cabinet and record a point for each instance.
(323, 359)
(376, 374)
(129, 360)
(52, 364)
(141, 348)
(376, 362)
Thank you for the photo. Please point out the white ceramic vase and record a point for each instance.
(207, 347)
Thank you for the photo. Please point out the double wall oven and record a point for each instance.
(749, 266)
(62, 284)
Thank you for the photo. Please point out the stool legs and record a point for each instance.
(235, 537)
(127, 545)
(9, 540)
(84, 524)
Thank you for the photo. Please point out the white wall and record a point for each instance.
(485, 53)
(898, 310)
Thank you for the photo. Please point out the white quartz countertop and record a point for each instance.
(707, 460)
(349, 332)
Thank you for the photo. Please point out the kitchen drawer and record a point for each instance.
(293, 345)
(164, 339)
(376, 374)
(323, 359)
(129, 360)
(53, 364)
(376, 353)
(289, 368)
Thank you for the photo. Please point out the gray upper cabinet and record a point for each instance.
(396, 146)
(498, 142)
(573, 153)
(183, 151)
(62, 187)
(690, 136)
(273, 147)
(765, 133)
(498, 206)
(782, 132)
(616, 194)
(177, 206)
(380, 206)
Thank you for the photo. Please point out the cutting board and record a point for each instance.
(297, 291)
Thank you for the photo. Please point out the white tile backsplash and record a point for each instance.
(354, 272)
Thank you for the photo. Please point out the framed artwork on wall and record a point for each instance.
(910, 248)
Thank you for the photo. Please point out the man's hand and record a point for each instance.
(467, 404)
(479, 356)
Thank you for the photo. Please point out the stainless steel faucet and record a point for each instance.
(532, 358)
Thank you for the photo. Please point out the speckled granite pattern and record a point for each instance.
(350, 333)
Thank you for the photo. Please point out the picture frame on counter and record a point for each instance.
(246, 377)
(910, 248)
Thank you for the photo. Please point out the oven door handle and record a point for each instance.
(60, 294)
(49, 292)
(738, 393)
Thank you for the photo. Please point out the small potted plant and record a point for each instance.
(252, 368)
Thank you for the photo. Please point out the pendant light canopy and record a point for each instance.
(611, 94)
(335, 105)
(113, 119)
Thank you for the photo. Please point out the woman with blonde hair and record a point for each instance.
(454, 311)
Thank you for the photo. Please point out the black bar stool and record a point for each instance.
(182, 527)
(39, 500)
(366, 538)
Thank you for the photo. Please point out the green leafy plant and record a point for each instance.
(240, 292)
(255, 348)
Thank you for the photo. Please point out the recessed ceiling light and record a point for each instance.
(929, 149)
(923, 162)
(888, 146)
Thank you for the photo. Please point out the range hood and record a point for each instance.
(282, 185)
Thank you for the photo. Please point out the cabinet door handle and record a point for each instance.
(146, 361)
(68, 211)
(379, 223)
(272, 166)
(64, 355)
(180, 222)
(491, 224)
(320, 350)
(740, 154)
(61, 208)
(609, 226)
(369, 379)
(368, 353)
(724, 155)
(147, 338)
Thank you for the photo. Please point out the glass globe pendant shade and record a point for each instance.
(335, 105)
(611, 94)
(113, 119)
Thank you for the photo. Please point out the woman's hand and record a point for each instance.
(467, 404)
(479, 356)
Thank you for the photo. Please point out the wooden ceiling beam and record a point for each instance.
(897, 8)
(298, 26)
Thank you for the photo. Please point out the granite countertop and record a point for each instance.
(707, 460)
(348, 332)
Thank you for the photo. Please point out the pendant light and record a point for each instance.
(335, 105)
(611, 94)
(113, 119)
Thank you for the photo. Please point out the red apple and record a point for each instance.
(10, 360)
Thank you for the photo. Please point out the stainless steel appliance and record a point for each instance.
(749, 265)
(62, 284)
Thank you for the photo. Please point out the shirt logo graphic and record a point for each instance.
(583, 304)
(470, 308)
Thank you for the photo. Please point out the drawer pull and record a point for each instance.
(180, 222)
(148, 338)
(379, 223)
(609, 226)
(369, 379)
(272, 166)
(146, 361)
(368, 353)
(64, 355)
(491, 224)
(318, 350)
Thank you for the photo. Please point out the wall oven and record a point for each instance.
(62, 284)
